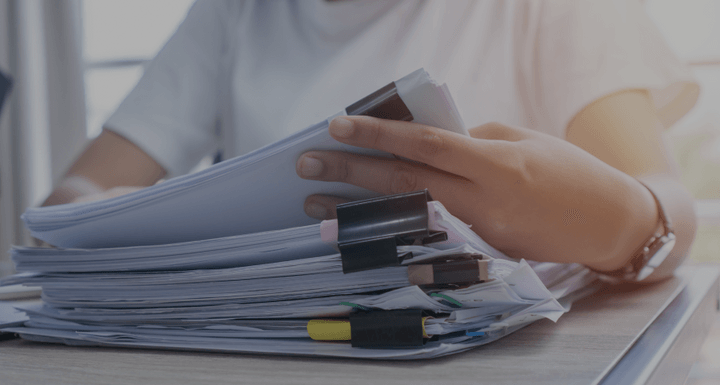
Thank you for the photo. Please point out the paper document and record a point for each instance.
(220, 295)
(226, 260)
(255, 192)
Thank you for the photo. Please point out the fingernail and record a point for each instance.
(316, 211)
(341, 127)
(310, 166)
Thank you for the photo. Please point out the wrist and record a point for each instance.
(641, 220)
(71, 188)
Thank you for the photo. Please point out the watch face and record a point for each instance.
(662, 249)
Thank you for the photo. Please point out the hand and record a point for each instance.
(528, 194)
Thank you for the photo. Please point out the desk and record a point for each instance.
(620, 335)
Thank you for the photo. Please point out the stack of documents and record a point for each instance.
(221, 295)
(226, 260)
(256, 192)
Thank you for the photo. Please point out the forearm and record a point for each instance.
(623, 131)
(109, 161)
(637, 219)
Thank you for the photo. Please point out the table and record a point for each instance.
(622, 334)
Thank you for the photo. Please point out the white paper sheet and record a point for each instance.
(256, 192)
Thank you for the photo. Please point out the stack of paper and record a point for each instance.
(255, 192)
(187, 264)
(220, 295)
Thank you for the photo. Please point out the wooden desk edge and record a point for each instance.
(684, 321)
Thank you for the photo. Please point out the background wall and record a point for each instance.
(72, 62)
(7, 224)
(692, 29)
(43, 128)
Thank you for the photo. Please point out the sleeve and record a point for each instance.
(172, 111)
(577, 51)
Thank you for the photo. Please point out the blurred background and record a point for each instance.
(73, 61)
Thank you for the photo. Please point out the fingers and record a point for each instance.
(438, 148)
(385, 176)
(497, 131)
(323, 206)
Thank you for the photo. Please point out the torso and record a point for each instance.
(296, 63)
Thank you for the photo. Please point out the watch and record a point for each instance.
(652, 253)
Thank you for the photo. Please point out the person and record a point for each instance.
(571, 172)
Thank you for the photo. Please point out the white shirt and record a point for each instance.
(238, 75)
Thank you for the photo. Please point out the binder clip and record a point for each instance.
(387, 329)
(459, 272)
(384, 103)
(369, 231)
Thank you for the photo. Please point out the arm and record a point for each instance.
(527, 193)
(624, 131)
(109, 161)
(171, 112)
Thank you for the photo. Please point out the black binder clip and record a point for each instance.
(384, 103)
(387, 329)
(369, 231)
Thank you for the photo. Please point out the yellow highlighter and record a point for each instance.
(341, 330)
(329, 330)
